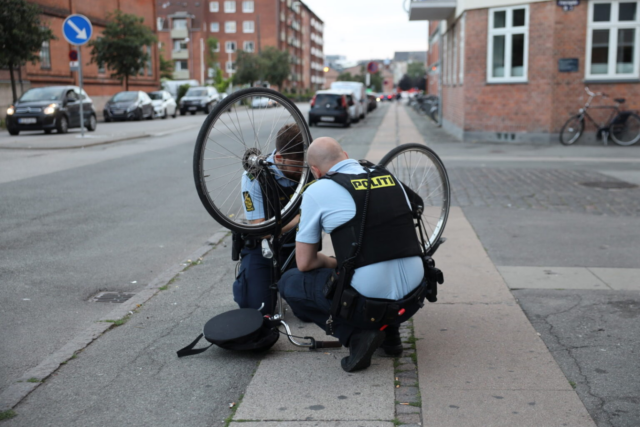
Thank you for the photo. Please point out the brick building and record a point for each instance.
(53, 67)
(252, 25)
(514, 71)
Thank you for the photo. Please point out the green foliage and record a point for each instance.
(276, 65)
(6, 415)
(21, 35)
(121, 46)
(375, 81)
(212, 45)
(416, 70)
(33, 380)
(249, 68)
(166, 66)
(182, 90)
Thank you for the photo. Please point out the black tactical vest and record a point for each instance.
(389, 231)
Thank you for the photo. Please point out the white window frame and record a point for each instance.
(246, 29)
(214, 27)
(508, 31)
(461, 47)
(248, 6)
(229, 67)
(227, 28)
(245, 44)
(613, 26)
(217, 48)
(226, 47)
(229, 6)
(159, 23)
(214, 6)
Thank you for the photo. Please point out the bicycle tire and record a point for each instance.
(229, 106)
(630, 117)
(572, 136)
(437, 202)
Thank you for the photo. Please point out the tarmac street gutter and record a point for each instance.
(24, 385)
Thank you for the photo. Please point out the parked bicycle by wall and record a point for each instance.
(622, 126)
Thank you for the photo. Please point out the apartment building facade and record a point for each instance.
(248, 25)
(514, 70)
(53, 67)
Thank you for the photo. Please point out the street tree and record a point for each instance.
(416, 70)
(166, 66)
(405, 82)
(276, 65)
(122, 46)
(21, 35)
(249, 68)
(212, 55)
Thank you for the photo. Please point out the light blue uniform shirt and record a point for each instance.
(326, 205)
(252, 194)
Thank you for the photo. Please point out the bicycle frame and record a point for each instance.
(602, 129)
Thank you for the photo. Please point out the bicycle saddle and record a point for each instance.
(619, 100)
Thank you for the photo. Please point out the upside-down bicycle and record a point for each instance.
(237, 139)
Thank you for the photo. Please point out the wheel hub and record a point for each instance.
(251, 159)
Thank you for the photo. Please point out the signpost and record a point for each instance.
(77, 30)
(372, 68)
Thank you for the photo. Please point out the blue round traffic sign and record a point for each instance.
(372, 67)
(77, 29)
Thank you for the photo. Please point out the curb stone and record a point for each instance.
(407, 390)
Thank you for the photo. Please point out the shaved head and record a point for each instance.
(324, 153)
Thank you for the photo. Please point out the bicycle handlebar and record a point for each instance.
(592, 94)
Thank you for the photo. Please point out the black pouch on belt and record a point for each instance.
(347, 303)
(374, 310)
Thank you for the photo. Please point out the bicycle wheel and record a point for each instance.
(572, 130)
(419, 168)
(236, 145)
(625, 128)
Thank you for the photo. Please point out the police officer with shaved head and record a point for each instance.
(376, 280)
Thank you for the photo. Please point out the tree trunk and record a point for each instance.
(126, 83)
(20, 79)
(13, 82)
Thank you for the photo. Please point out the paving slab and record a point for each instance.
(551, 278)
(480, 362)
(312, 386)
(508, 408)
(315, 424)
(623, 279)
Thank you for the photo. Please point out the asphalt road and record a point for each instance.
(106, 218)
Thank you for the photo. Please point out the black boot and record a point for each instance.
(392, 344)
(362, 345)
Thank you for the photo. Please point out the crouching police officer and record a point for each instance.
(252, 286)
(376, 280)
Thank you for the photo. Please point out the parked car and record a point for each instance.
(352, 108)
(263, 102)
(330, 106)
(49, 108)
(128, 105)
(358, 90)
(202, 98)
(373, 103)
(172, 86)
(163, 104)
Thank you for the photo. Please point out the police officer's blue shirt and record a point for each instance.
(326, 205)
(252, 202)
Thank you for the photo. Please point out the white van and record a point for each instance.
(358, 92)
(172, 86)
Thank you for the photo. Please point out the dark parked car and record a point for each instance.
(49, 108)
(129, 105)
(373, 102)
(199, 99)
(330, 107)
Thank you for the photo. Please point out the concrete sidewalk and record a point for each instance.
(106, 133)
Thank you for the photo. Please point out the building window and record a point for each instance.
(230, 7)
(214, 27)
(508, 44)
(179, 45)
(454, 56)
(45, 56)
(230, 67)
(247, 6)
(179, 24)
(160, 23)
(249, 47)
(612, 40)
(216, 47)
(461, 50)
(230, 27)
(230, 47)
(181, 66)
(214, 6)
(248, 27)
(283, 35)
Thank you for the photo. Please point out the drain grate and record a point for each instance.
(609, 185)
(115, 297)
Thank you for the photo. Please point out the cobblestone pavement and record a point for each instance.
(544, 189)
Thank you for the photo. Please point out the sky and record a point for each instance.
(368, 29)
